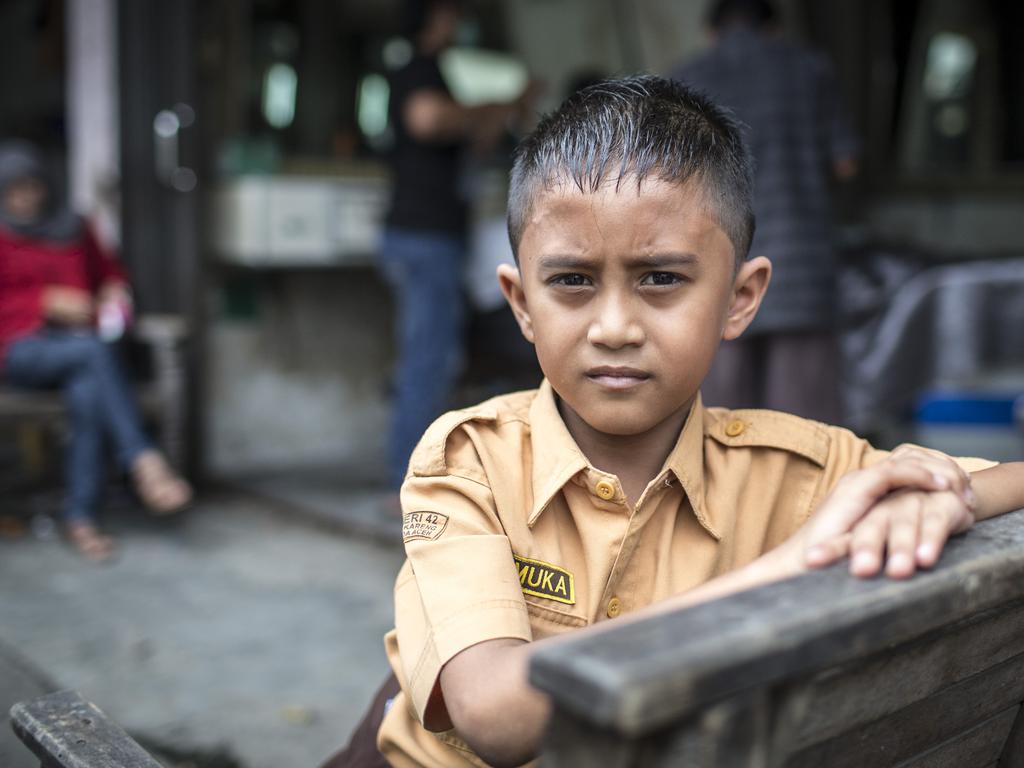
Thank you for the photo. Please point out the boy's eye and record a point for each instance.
(571, 280)
(661, 278)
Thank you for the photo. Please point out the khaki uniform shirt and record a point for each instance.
(511, 533)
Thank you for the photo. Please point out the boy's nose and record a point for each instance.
(615, 325)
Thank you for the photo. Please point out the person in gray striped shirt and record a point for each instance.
(788, 97)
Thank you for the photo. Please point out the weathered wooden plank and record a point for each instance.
(66, 731)
(924, 724)
(730, 733)
(859, 692)
(637, 678)
(575, 742)
(980, 745)
(1013, 750)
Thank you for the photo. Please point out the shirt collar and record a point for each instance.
(686, 462)
(557, 458)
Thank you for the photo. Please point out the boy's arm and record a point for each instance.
(1000, 489)
(502, 717)
(491, 704)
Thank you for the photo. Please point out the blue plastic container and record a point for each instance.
(984, 424)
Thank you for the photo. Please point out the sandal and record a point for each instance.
(90, 543)
(159, 487)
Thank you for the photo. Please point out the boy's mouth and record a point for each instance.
(617, 377)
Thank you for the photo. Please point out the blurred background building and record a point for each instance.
(236, 151)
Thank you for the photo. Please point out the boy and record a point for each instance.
(611, 487)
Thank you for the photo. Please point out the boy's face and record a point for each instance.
(626, 296)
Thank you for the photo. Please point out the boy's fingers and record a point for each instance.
(962, 516)
(827, 552)
(868, 541)
(944, 515)
(943, 466)
(859, 491)
(935, 529)
(904, 527)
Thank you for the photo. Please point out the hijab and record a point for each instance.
(55, 222)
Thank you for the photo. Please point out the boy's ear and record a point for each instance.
(511, 282)
(747, 292)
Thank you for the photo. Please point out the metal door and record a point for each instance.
(161, 182)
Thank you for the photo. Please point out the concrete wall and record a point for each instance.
(300, 375)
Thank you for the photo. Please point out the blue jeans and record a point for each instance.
(424, 270)
(99, 401)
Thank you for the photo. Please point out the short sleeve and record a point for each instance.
(461, 587)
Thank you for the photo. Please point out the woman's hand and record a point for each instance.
(68, 306)
(114, 291)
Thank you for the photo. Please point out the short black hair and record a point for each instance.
(633, 128)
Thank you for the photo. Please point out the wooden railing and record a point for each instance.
(821, 670)
(65, 731)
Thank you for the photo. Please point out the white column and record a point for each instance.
(93, 115)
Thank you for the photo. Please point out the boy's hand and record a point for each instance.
(910, 502)
(907, 530)
(942, 465)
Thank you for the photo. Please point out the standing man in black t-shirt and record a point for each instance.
(423, 248)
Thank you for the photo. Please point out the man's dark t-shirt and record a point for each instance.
(426, 174)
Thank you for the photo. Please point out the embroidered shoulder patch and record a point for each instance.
(542, 579)
(423, 525)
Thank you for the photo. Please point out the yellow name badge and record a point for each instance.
(542, 579)
(423, 525)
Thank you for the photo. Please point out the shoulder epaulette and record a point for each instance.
(429, 460)
(750, 428)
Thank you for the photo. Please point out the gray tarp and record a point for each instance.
(908, 326)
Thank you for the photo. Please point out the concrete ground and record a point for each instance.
(242, 633)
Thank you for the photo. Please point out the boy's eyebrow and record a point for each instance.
(652, 261)
(563, 261)
(668, 259)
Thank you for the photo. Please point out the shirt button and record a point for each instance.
(605, 489)
(735, 428)
(614, 607)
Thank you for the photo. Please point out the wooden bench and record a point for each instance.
(821, 670)
(64, 730)
(161, 396)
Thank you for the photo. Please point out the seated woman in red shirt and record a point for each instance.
(55, 280)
